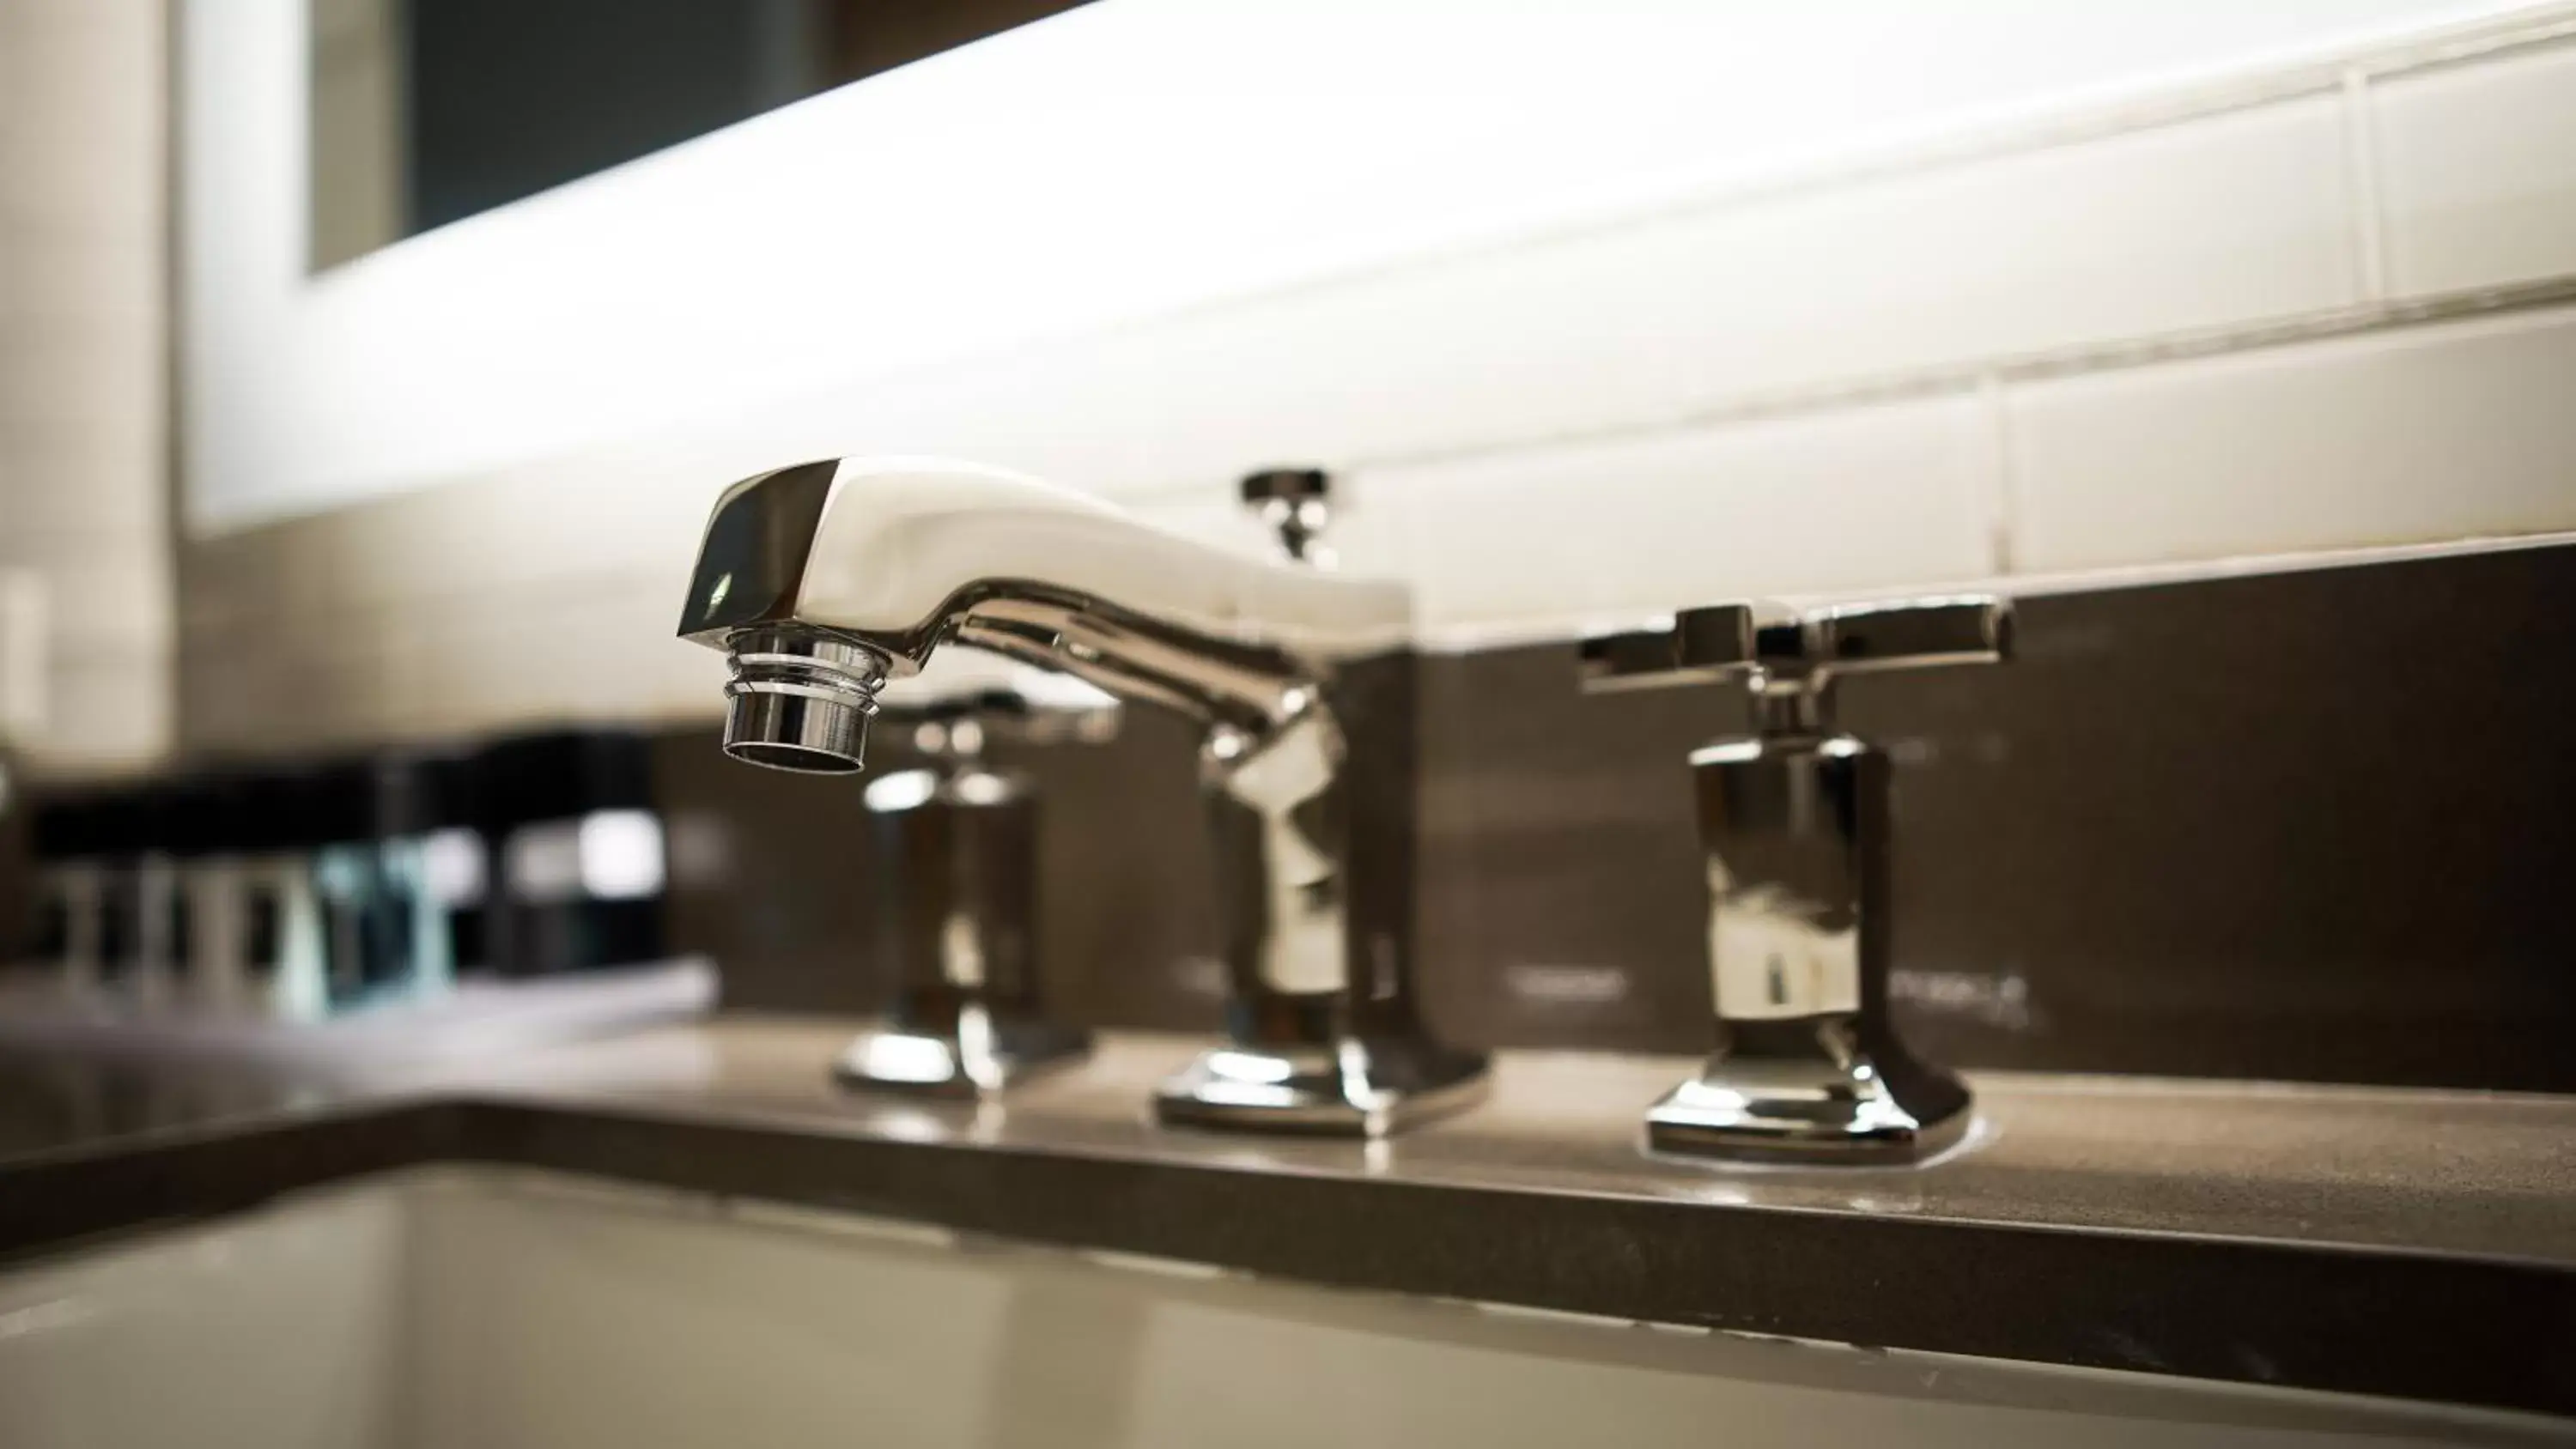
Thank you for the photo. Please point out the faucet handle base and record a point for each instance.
(1836, 1107)
(1349, 1088)
(983, 1057)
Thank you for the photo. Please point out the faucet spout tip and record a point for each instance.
(810, 737)
(800, 700)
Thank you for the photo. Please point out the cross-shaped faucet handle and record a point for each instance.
(1787, 652)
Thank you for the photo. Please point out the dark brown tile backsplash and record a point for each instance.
(770, 875)
(2308, 825)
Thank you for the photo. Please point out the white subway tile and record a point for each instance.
(1854, 499)
(228, 701)
(433, 544)
(81, 121)
(1543, 338)
(2478, 172)
(288, 697)
(591, 649)
(229, 585)
(106, 710)
(2436, 432)
(487, 539)
(1076, 411)
(2192, 225)
(104, 591)
(646, 669)
(66, 274)
(428, 676)
(499, 535)
(62, 477)
(26, 652)
(122, 24)
(96, 375)
(474, 673)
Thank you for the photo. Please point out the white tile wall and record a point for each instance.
(2195, 224)
(82, 90)
(1843, 500)
(67, 265)
(80, 374)
(2185, 226)
(596, 647)
(104, 590)
(1563, 336)
(26, 652)
(94, 476)
(107, 710)
(83, 468)
(1644, 414)
(2478, 171)
(2464, 429)
(1082, 409)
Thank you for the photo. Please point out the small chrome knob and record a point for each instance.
(1297, 504)
(1793, 825)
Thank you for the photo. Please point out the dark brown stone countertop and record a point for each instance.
(2410, 1243)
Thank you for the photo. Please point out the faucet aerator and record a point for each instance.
(800, 700)
(808, 737)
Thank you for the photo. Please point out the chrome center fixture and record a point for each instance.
(1793, 825)
(827, 580)
(956, 888)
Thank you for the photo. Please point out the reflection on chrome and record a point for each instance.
(955, 877)
(910, 1124)
(1234, 1066)
(1256, 1095)
(1793, 823)
(891, 1057)
(829, 582)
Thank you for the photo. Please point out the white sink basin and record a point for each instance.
(483, 1309)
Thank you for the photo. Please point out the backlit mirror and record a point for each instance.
(424, 112)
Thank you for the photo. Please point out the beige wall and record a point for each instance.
(84, 493)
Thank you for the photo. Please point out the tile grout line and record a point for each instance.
(1474, 636)
(2390, 314)
(2002, 490)
(2361, 182)
(2503, 38)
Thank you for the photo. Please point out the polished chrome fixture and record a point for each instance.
(1793, 823)
(824, 581)
(956, 889)
(1297, 504)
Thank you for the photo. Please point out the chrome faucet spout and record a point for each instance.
(823, 582)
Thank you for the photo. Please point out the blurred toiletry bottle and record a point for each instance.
(581, 849)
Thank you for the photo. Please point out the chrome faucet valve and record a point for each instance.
(1297, 504)
(956, 889)
(1324, 1034)
(1793, 824)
